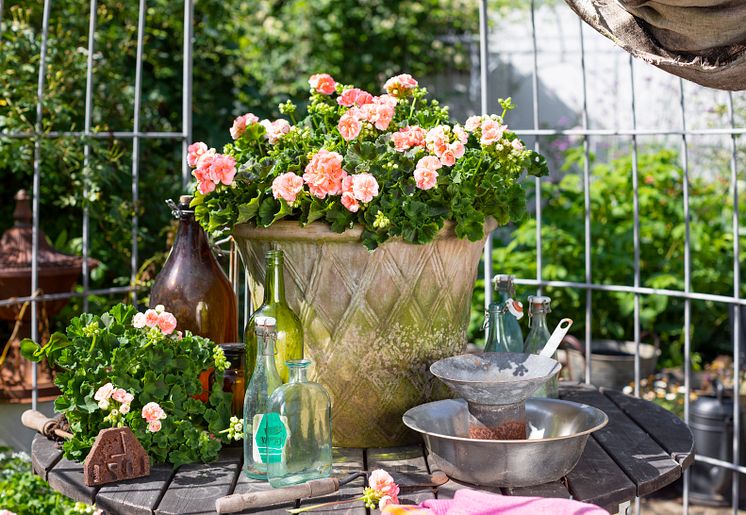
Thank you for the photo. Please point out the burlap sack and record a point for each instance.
(700, 40)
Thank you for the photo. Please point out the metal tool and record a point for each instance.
(315, 488)
(554, 341)
(558, 432)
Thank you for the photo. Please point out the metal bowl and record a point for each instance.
(495, 377)
(559, 431)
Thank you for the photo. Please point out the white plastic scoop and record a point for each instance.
(553, 342)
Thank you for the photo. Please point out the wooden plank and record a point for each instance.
(247, 485)
(194, 488)
(555, 489)
(346, 462)
(639, 456)
(44, 455)
(597, 479)
(67, 478)
(135, 496)
(664, 427)
(407, 465)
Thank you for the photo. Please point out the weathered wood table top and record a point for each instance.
(642, 449)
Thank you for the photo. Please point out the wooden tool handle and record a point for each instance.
(239, 502)
(42, 424)
(37, 421)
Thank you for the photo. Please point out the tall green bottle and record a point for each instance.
(289, 343)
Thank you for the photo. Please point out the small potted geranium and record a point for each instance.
(381, 203)
(139, 370)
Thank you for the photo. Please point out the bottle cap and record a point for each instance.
(539, 302)
(502, 278)
(263, 321)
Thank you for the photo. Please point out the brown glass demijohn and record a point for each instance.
(193, 286)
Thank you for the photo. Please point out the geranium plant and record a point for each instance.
(125, 368)
(393, 164)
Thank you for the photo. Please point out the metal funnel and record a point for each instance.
(495, 378)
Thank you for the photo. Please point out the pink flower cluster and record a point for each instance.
(153, 414)
(384, 486)
(210, 168)
(401, 85)
(276, 129)
(438, 141)
(287, 186)
(361, 187)
(324, 174)
(378, 111)
(157, 317)
(322, 83)
(408, 137)
(240, 124)
(426, 172)
(354, 97)
(107, 392)
(489, 129)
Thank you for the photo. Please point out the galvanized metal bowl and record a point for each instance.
(559, 431)
(495, 377)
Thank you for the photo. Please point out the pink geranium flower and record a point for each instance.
(400, 85)
(151, 318)
(364, 187)
(138, 321)
(152, 411)
(194, 151)
(348, 196)
(323, 83)
(166, 322)
(473, 123)
(354, 97)
(492, 132)
(349, 126)
(324, 174)
(408, 137)
(119, 394)
(276, 129)
(425, 173)
(437, 140)
(104, 392)
(222, 169)
(154, 426)
(517, 145)
(287, 186)
(240, 124)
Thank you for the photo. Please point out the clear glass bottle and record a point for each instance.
(538, 335)
(503, 332)
(305, 408)
(258, 423)
(289, 329)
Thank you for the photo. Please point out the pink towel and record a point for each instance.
(474, 502)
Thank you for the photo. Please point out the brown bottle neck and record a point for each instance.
(190, 237)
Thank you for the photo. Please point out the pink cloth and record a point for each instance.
(474, 502)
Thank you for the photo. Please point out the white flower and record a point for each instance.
(103, 404)
(160, 309)
(124, 409)
(139, 321)
(104, 393)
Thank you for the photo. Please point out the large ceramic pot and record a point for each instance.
(373, 321)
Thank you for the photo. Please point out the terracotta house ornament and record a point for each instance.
(703, 41)
(116, 455)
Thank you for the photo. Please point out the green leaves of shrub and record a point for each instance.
(96, 350)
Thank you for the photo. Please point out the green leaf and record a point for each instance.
(248, 210)
(267, 211)
(30, 350)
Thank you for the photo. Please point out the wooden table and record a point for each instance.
(641, 450)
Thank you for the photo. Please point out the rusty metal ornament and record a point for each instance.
(116, 455)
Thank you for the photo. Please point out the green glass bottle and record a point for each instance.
(260, 427)
(289, 329)
(305, 408)
(503, 332)
(538, 335)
